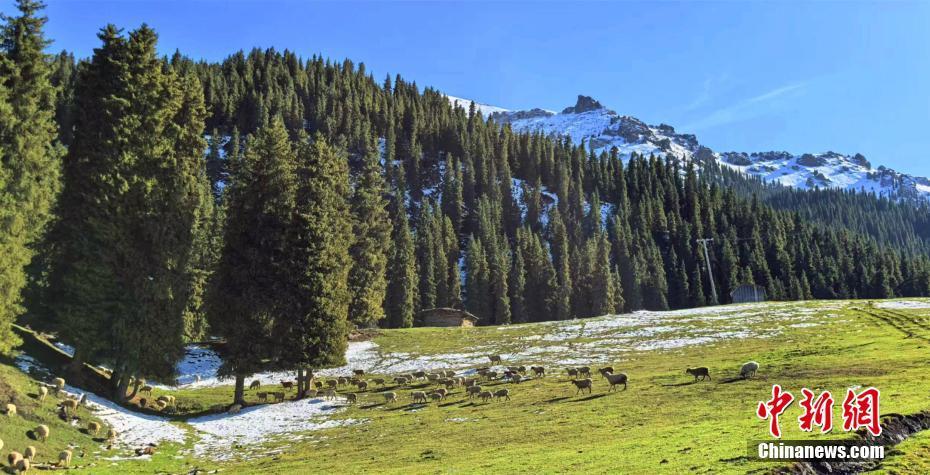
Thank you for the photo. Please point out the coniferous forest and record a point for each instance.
(277, 202)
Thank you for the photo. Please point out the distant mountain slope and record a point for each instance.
(588, 120)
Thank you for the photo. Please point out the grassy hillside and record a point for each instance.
(664, 422)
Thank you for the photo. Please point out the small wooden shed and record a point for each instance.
(446, 317)
(748, 293)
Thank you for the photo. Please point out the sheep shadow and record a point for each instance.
(407, 407)
(448, 404)
(371, 406)
(675, 385)
(557, 399)
(589, 398)
(732, 380)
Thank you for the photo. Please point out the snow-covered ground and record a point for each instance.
(904, 304)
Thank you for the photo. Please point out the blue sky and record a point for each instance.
(748, 76)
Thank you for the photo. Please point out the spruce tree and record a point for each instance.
(401, 294)
(371, 232)
(30, 157)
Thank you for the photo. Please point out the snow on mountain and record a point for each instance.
(485, 109)
(602, 129)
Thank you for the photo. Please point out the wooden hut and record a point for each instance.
(748, 293)
(446, 317)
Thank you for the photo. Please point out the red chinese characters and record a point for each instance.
(773, 408)
(816, 412)
(861, 410)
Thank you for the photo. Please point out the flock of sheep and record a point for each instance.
(21, 462)
(447, 380)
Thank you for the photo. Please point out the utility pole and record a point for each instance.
(710, 275)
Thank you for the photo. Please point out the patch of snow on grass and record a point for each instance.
(134, 429)
(903, 304)
(220, 433)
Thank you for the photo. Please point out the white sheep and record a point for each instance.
(59, 384)
(749, 369)
(42, 432)
(93, 427)
(23, 465)
(390, 397)
(13, 458)
(64, 458)
(112, 434)
(1, 444)
(418, 396)
(234, 409)
(11, 409)
(43, 392)
(30, 453)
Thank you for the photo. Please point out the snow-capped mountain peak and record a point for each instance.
(602, 129)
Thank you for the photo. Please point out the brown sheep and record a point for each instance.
(442, 393)
(279, 396)
(419, 374)
(435, 396)
(378, 381)
(30, 453)
(538, 371)
(359, 372)
(262, 396)
(390, 397)
(495, 358)
(93, 427)
(486, 395)
(255, 384)
(312, 393)
(64, 458)
(342, 381)
(13, 458)
(362, 386)
(332, 383)
(418, 397)
(605, 371)
(571, 372)
(616, 380)
(701, 372)
(505, 393)
(318, 384)
(473, 391)
(146, 390)
(23, 465)
(584, 371)
(351, 398)
(330, 394)
(583, 384)
(287, 384)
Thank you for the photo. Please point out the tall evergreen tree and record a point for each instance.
(400, 301)
(30, 157)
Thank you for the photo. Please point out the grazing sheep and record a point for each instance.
(701, 372)
(449, 383)
(401, 380)
(749, 369)
(318, 384)
(583, 384)
(502, 393)
(69, 404)
(30, 453)
(59, 384)
(287, 384)
(312, 393)
(419, 374)
(390, 397)
(161, 404)
(418, 396)
(605, 371)
(351, 398)
(469, 382)
(482, 371)
(255, 384)
(616, 380)
(41, 432)
(378, 381)
(14, 458)
(584, 371)
(486, 395)
(538, 371)
(495, 358)
(278, 396)
(93, 427)
(490, 375)
(516, 378)
(358, 372)
(435, 397)
(64, 458)
(262, 396)
(473, 391)
(146, 390)
(112, 434)
(433, 377)
(450, 373)
(143, 402)
(23, 465)
(330, 394)
(332, 383)
(234, 409)
(362, 386)
(11, 409)
(342, 380)
(572, 372)
(43, 392)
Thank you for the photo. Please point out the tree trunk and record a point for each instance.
(300, 383)
(309, 379)
(135, 389)
(239, 393)
(120, 389)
